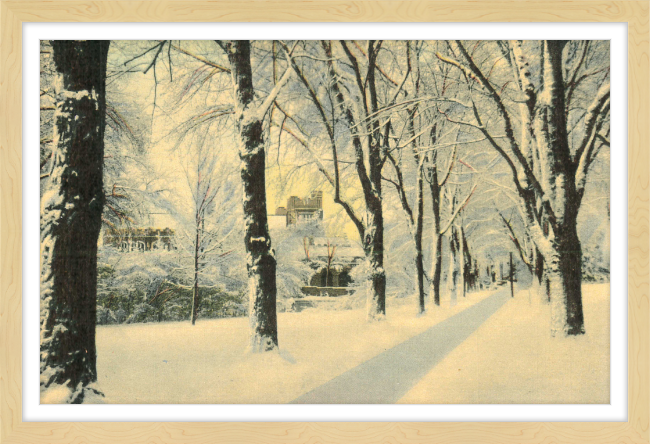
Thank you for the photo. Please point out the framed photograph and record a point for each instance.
(332, 221)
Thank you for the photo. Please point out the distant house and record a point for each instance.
(139, 239)
(301, 210)
(298, 210)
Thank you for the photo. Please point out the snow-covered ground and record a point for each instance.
(176, 362)
(511, 358)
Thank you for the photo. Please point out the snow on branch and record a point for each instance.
(594, 120)
(458, 210)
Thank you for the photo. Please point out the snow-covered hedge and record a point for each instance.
(148, 287)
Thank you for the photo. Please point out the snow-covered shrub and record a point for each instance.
(105, 316)
(233, 309)
(152, 286)
(595, 266)
(143, 313)
(120, 315)
(176, 312)
(216, 303)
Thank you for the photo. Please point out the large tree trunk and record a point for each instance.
(436, 238)
(261, 262)
(419, 226)
(549, 178)
(564, 259)
(436, 266)
(565, 278)
(71, 211)
(372, 235)
(419, 267)
(374, 249)
(462, 253)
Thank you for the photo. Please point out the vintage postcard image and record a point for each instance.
(318, 222)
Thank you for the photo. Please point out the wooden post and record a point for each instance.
(512, 276)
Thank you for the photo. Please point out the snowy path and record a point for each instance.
(388, 376)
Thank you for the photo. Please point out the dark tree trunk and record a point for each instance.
(512, 277)
(419, 266)
(71, 211)
(452, 277)
(372, 235)
(565, 258)
(419, 257)
(465, 261)
(261, 262)
(540, 280)
(454, 252)
(565, 279)
(195, 292)
(436, 238)
(436, 268)
(374, 249)
(418, 232)
(550, 179)
(539, 266)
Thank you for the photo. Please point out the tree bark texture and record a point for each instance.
(565, 258)
(419, 226)
(436, 238)
(71, 210)
(261, 263)
(454, 266)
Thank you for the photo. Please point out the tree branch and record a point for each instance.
(496, 98)
(458, 210)
(199, 58)
(515, 241)
(594, 112)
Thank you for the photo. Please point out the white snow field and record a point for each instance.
(510, 358)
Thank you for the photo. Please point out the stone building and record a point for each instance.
(302, 210)
(298, 210)
(139, 239)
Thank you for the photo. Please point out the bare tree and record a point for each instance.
(415, 214)
(357, 101)
(548, 169)
(261, 263)
(206, 174)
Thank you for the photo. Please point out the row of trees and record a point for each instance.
(526, 120)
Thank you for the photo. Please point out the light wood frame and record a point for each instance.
(14, 13)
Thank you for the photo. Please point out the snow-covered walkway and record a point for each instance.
(388, 376)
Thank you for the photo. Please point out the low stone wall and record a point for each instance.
(326, 291)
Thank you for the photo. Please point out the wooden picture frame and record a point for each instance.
(15, 13)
